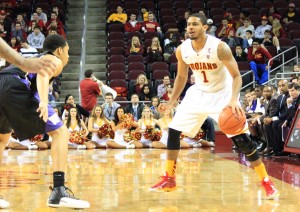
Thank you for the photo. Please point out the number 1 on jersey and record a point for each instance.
(204, 76)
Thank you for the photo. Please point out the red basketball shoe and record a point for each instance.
(271, 191)
(166, 184)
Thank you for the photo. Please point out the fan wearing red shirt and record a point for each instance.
(89, 90)
(151, 25)
(132, 25)
(258, 57)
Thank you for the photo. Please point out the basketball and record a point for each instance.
(231, 123)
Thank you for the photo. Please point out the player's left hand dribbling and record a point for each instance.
(43, 110)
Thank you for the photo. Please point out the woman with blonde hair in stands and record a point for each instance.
(76, 125)
(141, 80)
(278, 30)
(119, 127)
(154, 51)
(135, 48)
(146, 122)
(96, 121)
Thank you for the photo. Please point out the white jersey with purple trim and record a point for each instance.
(210, 73)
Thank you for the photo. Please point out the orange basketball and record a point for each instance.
(231, 123)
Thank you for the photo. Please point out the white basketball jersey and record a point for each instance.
(210, 73)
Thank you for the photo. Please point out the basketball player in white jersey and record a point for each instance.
(217, 85)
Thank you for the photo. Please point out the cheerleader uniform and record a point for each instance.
(95, 137)
(119, 137)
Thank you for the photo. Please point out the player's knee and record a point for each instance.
(173, 139)
(246, 146)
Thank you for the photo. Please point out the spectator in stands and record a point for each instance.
(69, 102)
(230, 38)
(248, 40)
(20, 19)
(146, 93)
(151, 25)
(268, 42)
(168, 93)
(52, 31)
(109, 106)
(143, 15)
(60, 14)
(296, 68)
(184, 36)
(221, 31)
(2, 31)
(188, 85)
(239, 54)
(89, 90)
(154, 51)
(51, 98)
(135, 107)
(170, 48)
(7, 23)
(56, 84)
(271, 13)
(139, 84)
(27, 50)
(154, 106)
(162, 88)
(183, 22)
(295, 79)
(36, 38)
(260, 30)
(39, 22)
(118, 17)
(54, 22)
(132, 25)
(211, 29)
(18, 32)
(243, 15)
(257, 57)
(278, 29)
(14, 43)
(135, 48)
(291, 15)
(40, 14)
(241, 31)
(231, 21)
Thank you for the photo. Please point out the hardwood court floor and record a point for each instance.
(118, 180)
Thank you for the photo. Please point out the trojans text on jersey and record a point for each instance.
(203, 66)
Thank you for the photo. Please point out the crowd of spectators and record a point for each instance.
(24, 26)
(255, 34)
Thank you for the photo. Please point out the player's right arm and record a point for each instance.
(30, 65)
(181, 78)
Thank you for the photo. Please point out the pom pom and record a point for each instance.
(77, 137)
(105, 131)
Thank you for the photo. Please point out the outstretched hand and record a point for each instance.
(36, 65)
(43, 110)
